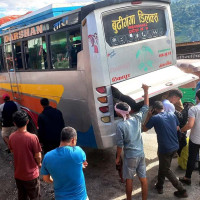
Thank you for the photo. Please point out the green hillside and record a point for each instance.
(186, 19)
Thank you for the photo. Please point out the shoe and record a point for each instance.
(181, 194)
(159, 190)
(184, 180)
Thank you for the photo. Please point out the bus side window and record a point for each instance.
(17, 56)
(59, 51)
(64, 47)
(35, 54)
(8, 57)
(1, 59)
(75, 40)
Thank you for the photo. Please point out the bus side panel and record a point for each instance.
(66, 90)
(96, 67)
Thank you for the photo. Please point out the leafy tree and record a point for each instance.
(186, 19)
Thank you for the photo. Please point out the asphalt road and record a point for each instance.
(102, 179)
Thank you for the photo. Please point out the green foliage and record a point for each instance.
(186, 19)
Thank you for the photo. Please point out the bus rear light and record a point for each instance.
(104, 109)
(102, 99)
(105, 119)
(101, 90)
(136, 2)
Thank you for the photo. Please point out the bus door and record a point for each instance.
(141, 49)
(10, 65)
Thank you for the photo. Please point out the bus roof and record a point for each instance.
(44, 13)
(91, 7)
(38, 16)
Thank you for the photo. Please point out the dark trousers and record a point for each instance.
(28, 190)
(165, 171)
(193, 152)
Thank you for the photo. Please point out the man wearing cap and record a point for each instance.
(6, 111)
(129, 138)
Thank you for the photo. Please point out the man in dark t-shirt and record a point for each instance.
(7, 109)
(50, 123)
(166, 125)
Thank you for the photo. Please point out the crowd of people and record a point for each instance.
(63, 161)
(166, 116)
(61, 166)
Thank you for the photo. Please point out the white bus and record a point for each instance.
(77, 59)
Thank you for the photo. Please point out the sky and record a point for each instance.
(20, 7)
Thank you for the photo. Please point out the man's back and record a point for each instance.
(24, 146)
(50, 123)
(194, 112)
(7, 109)
(129, 134)
(64, 164)
(165, 124)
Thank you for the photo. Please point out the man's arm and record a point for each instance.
(149, 115)
(41, 128)
(119, 151)
(189, 124)
(38, 158)
(18, 106)
(146, 94)
(47, 178)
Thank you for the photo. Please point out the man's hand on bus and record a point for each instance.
(146, 94)
(145, 87)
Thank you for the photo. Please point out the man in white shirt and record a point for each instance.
(174, 97)
(194, 143)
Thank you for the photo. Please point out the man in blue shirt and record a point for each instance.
(63, 167)
(129, 139)
(166, 125)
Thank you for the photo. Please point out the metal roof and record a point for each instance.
(91, 7)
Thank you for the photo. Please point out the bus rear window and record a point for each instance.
(129, 26)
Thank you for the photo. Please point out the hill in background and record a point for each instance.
(186, 19)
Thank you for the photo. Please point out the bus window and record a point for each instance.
(17, 56)
(8, 55)
(1, 59)
(59, 51)
(64, 49)
(35, 54)
(75, 41)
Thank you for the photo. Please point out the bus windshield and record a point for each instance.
(130, 26)
(137, 41)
